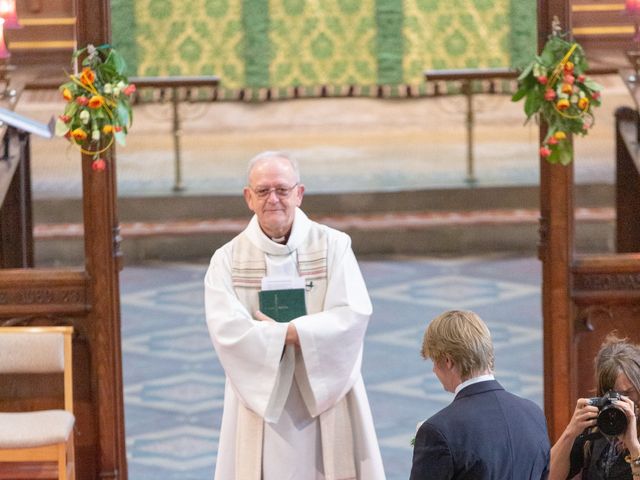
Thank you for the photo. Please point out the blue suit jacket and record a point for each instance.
(485, 433)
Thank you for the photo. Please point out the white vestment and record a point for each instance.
(295, 394)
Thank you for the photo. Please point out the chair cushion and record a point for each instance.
(35, 429)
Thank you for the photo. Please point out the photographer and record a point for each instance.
(583, 450)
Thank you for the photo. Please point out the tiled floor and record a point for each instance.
(174, 382)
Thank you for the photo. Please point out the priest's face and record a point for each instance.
(273, 193)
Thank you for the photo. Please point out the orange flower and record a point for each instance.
(583, 103)
(107, 129)
(567, 88)
(568, 67)
(560, 135)
(563, 104)
(79, 134)
(67, 95)
(87, 76)
(96, 101)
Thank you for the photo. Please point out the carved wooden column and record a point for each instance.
(556, 254)
(103, 262)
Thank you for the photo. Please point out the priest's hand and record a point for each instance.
(292, 334)
(263, 318)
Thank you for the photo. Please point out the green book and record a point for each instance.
(283, 305)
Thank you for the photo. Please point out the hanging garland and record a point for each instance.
(98, 109)
(557, 91)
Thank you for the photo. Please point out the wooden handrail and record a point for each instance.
(141, 82)
(466, 76)
(492, 73)
(157, 83)
(470, 74)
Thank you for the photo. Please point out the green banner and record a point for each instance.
(389, 42)
(328, 47)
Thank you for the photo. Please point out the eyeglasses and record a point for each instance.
(281, 192)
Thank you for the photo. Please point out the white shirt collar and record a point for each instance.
(471, 381)
(299, 231)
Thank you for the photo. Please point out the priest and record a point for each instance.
(295, 405)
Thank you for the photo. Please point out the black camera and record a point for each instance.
(611, 419)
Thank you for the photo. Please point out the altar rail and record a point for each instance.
(470, 82)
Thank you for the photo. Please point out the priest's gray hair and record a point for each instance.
(464, 338)
(273, 154)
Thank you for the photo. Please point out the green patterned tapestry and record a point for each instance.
(287, 48)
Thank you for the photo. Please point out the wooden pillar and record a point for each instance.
(103, 263)
(556, 254)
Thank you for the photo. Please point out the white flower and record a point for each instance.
(92, 52)
(95, 135)
(85, 116)
(108, 88)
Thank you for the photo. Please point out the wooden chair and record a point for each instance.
(37, 444)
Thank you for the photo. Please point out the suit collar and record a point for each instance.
(480, 387)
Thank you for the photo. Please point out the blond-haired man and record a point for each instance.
(486, 432)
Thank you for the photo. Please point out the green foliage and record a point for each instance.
(557, 92)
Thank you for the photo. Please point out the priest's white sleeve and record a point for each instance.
(331, 341)
(250, 351)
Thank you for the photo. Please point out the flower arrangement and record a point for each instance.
(98, 109)
(556, 89)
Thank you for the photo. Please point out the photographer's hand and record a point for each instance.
(630, 436)
(584, 416)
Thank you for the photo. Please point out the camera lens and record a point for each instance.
(612, 420)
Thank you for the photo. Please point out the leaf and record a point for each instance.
(532, 104)
(122, 112)
(547, 57)
(565, 156)
(592, 85)
(61, 128)
(120, 137)
(519, 94)
(528, 69)
(71, 109)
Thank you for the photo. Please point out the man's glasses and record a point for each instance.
(281, 192)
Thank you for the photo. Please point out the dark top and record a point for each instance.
(486, 433)
(603, 460)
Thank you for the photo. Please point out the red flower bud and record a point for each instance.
(544, 152)
(129, 89)
(99, 164)
(549, 94)
(542, 79)
(82, 100)
(570, 79)
(552, 141)
(64, 118)
(581, 78)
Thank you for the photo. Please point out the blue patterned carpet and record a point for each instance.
(174, 383)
